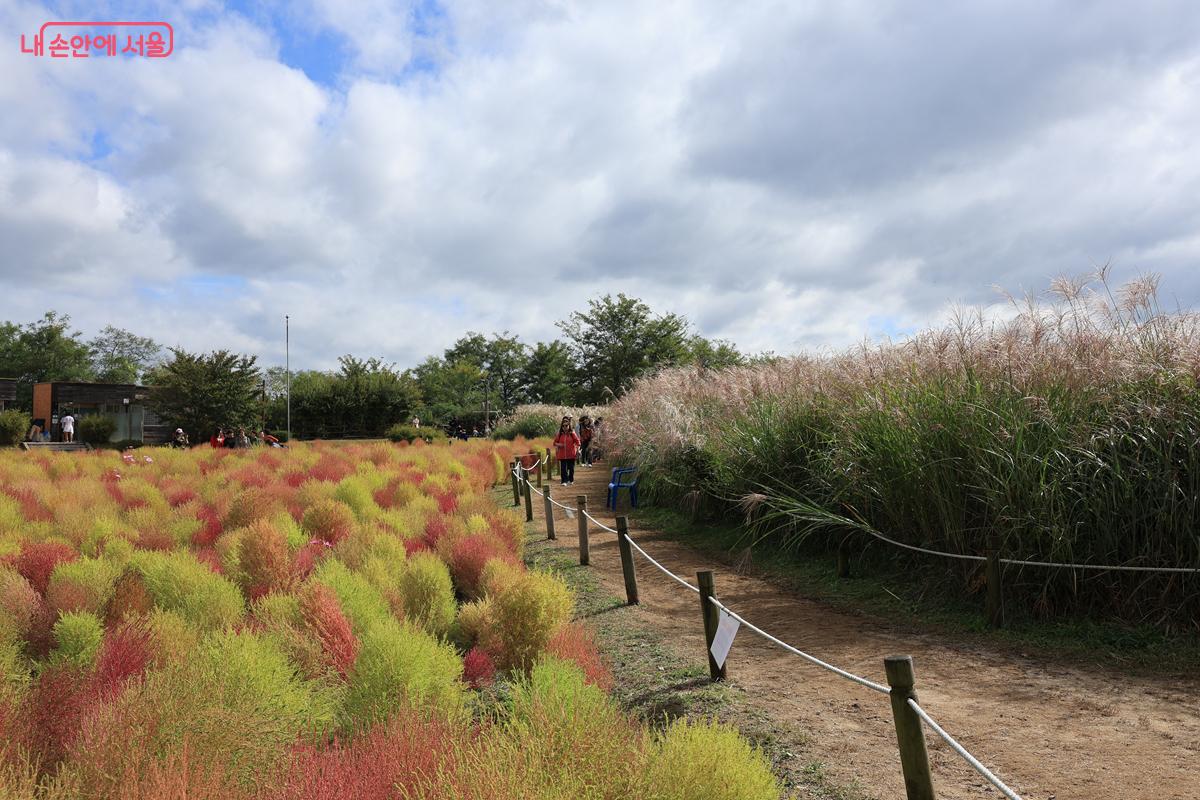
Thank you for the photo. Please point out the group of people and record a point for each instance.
(575, 442)
(234, 439)
(39, 431)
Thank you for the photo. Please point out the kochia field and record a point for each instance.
(323, 621)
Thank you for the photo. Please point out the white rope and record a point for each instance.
(1101, 567)
(850, 676)
(661, 568)
(598, 523)
(962, 751)
(1023, 563)
(914, 548)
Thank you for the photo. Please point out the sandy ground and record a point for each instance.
(1050, 731)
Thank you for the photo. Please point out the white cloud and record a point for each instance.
(785, 176)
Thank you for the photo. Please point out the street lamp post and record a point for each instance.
(287, 367)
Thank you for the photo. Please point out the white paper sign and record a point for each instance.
(570, 514)
(727, 628)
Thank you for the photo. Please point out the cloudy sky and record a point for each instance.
(785, 174)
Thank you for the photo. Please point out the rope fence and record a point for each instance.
(909, 716)
(1023, 563)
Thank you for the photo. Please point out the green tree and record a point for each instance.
(714, 353)
(202, 392)
(45, 350)
(620, 339)
(547, 375)
(501, 361)
(450, 391)
(119, 356)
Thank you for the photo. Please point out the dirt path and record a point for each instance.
(1051, 732)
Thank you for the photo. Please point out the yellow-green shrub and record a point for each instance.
(363, 604)
(528, 611)
(706, 761)
(178, 582)
(77, 637)
(400, 662)
(428, 593)
(85, 584)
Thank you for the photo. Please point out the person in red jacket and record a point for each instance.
(566, 447)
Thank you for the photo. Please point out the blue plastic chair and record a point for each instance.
(616, 484)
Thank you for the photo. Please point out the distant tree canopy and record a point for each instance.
(362, 398)
(616, 341)
(119, 356)
(603, 350)
(202, 392)
(45, 350)
(49, 350)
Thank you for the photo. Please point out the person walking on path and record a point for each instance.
(586, 432)
(67, 422)
(566, 448)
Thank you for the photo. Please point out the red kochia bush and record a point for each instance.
(307, 558)
(52, 712)
(468, 557)
(393, 760)
(38, 559)
(436, 527)
(416, 546)
(323, 616)
(210, 529)
(19, 602)
(31, 507)
(125, 654)
(330, 468)
(478, 668)
(574, 642)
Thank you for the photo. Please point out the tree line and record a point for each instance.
(601, 351)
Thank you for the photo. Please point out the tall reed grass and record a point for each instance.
(1069, 430)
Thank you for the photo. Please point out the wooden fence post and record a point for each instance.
(910, 736)
(512, 469)
(528, 500)
(581, 510)
(540, 467)
(631, 592)
(995, 587)
(712, 618)
(549, 466)
(549, 512)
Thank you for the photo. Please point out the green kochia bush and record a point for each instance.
(362, 603)
(82, 585)
(178, 582)
(236, 704)
(428, 593)
(78, 636)
(400, 662)
(706, 761)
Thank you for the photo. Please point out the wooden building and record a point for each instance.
(124, 403)
(8, 392)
